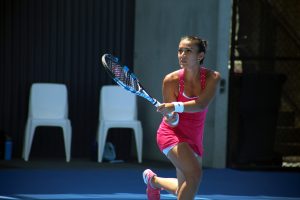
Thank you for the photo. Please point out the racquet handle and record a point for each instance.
(157, 104)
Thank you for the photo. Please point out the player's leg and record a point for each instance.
(192, 171)
(189, 170)
(157, 182)
(168, 184)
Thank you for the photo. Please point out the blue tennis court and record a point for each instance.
(91, 180)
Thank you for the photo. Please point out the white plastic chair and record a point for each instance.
(48, 106)
(118, 109)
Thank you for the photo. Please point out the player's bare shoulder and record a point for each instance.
(171, 85)
(213, 76)
(172, 78)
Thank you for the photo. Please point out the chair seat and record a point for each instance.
(49, 122)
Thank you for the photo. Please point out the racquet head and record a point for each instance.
(120, 73)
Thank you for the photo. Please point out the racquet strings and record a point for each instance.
(123, 74)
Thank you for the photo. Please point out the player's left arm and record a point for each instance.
(206, 96)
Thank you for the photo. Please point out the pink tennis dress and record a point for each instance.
(191, 125)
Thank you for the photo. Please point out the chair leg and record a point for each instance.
(26, 138)
(139, 142)
(29, 141)
(67, 139)
(102, 134)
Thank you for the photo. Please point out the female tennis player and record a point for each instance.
(187, 93)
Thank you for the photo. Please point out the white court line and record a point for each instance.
(140, 196)
(7, 197)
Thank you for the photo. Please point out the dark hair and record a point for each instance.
(201, 44)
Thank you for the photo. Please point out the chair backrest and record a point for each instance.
(117, 104)
(48, 101)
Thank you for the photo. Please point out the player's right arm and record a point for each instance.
(170, 89)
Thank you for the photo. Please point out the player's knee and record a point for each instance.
(194, 176)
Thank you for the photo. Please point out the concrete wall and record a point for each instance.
(159, 26)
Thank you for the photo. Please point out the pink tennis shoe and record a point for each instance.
(152, 192)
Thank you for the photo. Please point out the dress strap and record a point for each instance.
(181, 81)
(203, 72)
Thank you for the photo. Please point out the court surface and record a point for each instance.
(90, 180)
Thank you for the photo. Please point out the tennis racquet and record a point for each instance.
(125, 78)
(128, 80)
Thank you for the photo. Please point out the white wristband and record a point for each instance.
(178, 106)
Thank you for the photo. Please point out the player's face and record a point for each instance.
(188, 54)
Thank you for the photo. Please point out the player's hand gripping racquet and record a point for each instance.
(126, 79)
